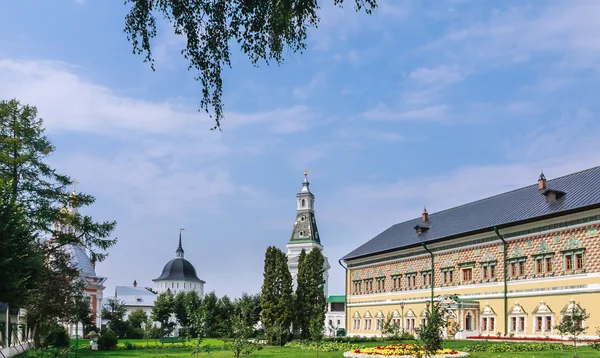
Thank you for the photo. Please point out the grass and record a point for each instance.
(273, 352)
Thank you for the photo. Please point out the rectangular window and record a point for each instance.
(396, 282)
(549, 324)
(448, 276)
(579, 261)
(514, 323)
(522, 324)
(548, 264)
(568, 262)
(338, 322)
(484, 271)
(513, 269)
(539, 323)
(492, 271)
(492, 323)
(539, 266)
(484, 324)
(411, 281)
(467, 274)
(521, 268)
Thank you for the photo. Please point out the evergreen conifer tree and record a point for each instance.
(301, 304)
(276, 297)
(315, 289)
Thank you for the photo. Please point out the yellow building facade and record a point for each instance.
(546, 238)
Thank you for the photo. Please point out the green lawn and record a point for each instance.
(273, 352)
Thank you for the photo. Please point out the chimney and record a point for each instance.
(542, 182)
(134, 283)
(424, 215)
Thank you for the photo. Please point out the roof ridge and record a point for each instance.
(500, 194)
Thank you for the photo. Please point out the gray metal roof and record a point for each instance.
(522, 205)
(135, 296)
(81, 260)
(179, 269)
(132, 291)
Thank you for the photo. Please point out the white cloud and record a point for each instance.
(565, 28)
(432, 113)
(310, 89)
(436, 75)
(69, 102)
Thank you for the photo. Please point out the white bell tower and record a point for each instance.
(305, 234)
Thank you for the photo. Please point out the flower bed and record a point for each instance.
(401, 351)
(537, 339)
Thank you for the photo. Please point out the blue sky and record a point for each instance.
(423, 103)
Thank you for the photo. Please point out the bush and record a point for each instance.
(513, 347)
(57, 337)
(325, 346)
(108, 340)
(136, 333)
(407, 337)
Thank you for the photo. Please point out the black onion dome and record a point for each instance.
(179, 269)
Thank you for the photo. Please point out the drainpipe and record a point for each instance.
(432, 274)
(345, 294)
(505, 290)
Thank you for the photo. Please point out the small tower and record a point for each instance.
(179, 275)
(179, 252)
(305, 234)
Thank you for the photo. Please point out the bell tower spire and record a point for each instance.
(179, 252)
(305, 235)
(305, 227)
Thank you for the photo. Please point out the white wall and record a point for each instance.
(179, 286)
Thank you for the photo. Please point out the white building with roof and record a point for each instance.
(179, 275)
(135, 298)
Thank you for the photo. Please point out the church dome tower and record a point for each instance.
(305, 234)
(179, 275)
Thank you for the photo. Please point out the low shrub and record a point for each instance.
(325, 346)
(108, 340)
(513, 347)
(57, 337)
(136, 333)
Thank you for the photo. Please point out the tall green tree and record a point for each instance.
(20, 258)
(248, 307)
(210, 314)
(164, 307)
(310, 292)
(180, 310)
(42, 192)
(264, 29)
(302, 307)
(82, 313)
(137, 318)
(193, 307)
(52, 297)
(276, 297)
(225, 312)
(114, 312)
(313, 266)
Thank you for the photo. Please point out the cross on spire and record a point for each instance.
(75, 182)
(179, 252)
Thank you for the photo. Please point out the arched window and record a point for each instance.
(469, 322)
(301, 233)
(303, 203)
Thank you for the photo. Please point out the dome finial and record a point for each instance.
(305, 182)
(179, 252)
